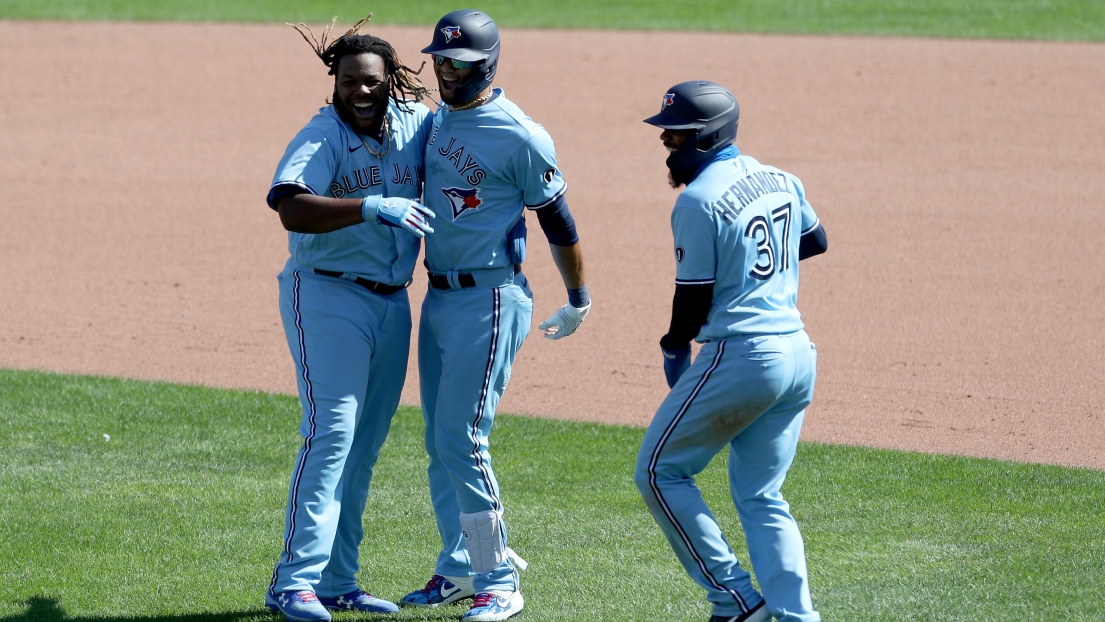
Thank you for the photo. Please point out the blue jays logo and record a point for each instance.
(451, 32)
(463, 200)
(669, 99)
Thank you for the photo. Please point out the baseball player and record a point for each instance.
(346, 190)
(487, 164)
(740, 228)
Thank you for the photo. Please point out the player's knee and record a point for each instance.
(338, 437)
(644, 476)
(456, 461)
(760, 504)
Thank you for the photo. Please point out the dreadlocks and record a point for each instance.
(405, 85)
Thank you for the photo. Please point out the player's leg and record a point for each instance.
(479, 339)
(695, 422)
(451, 581)
(331, 353)
(758, 462)
(436, 316)
(389, 328)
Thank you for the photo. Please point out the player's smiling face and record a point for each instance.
(449, 78)
(361, 92)
(674, 139)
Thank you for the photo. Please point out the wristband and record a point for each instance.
(578, 298)
(370, 205)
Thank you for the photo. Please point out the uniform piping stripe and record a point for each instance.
(550, 201)
(816, 224)
(289, 184)
(493, 350)
(297, 476)
(694, 281)
(656, 489)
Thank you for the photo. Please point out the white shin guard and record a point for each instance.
(483, 535)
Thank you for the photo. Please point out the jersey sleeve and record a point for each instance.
(536, 173)
(809, 217)
(695, 243)
(422, 136)
(308, 164)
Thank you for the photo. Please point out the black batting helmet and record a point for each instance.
(705, 107)
(468, 35)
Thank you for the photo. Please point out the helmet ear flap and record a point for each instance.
(707, 143)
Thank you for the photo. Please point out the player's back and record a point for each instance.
(758, 214)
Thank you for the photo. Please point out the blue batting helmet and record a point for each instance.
(705, 107)
(468, 35)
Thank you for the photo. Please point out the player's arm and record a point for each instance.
(693, 230)
(569, 261)
(559, 228)
(534, 169)
(689, 309)
(307, 169)
(813, 242)
(303, 212)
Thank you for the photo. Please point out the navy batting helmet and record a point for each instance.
(705, 107)
(468, 35)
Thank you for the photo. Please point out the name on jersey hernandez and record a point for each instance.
(369, 176)
(747, 190)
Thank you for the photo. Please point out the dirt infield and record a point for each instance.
(960, 308)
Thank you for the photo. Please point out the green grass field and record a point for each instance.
(128, 500)
(1005, 19)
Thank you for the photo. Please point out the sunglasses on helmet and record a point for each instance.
(457, 64)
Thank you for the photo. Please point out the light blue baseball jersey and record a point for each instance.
(327, 158)
(482, 167)
(350, 345)
(737, 226)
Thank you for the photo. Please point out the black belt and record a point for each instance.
(440, 281)
(372, 286)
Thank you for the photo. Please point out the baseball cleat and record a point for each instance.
(440, 591)
(757, 614)
(358, 600)
(301, 606)
(494, 606)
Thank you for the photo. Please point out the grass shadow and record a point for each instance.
(41, 609)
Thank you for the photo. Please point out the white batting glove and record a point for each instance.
(398, 212)
(564, 322)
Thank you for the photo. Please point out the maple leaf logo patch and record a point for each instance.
(463, 200)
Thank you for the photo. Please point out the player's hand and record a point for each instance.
(405, 213)
(675, 363)
(564, 322)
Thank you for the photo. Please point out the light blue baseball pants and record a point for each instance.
(350, 348)
(467, 342)
(749, 393)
